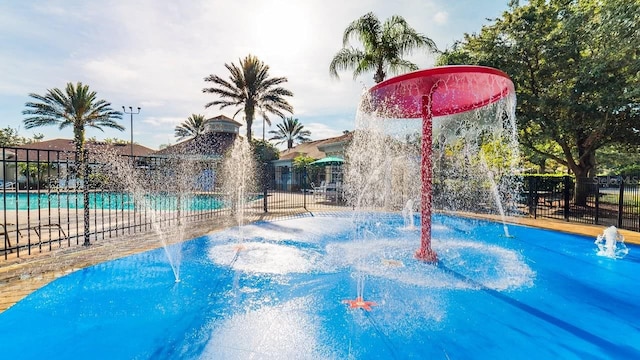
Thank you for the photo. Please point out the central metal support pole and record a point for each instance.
(425, 253)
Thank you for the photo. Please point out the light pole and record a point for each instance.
(131, 112)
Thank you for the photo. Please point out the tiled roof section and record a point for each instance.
(311, 148)
(207, 143)
(224, 118)
(64, 149)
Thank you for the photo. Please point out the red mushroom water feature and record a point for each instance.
(438, 91)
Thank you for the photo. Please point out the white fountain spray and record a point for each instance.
(611, 244)
(239, 181)
(407, 215)
(153, 193)
(496, 195)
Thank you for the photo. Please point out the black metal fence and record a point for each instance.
(49, 200)
(603, 200)
(309, 189)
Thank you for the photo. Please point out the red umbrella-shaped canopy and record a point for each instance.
(451, 90)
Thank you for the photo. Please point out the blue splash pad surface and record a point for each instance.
(280, 295)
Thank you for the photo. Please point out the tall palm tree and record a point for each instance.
(75, 107)
(193, 127)
(290, 130)
(250, 88)
(384, 45)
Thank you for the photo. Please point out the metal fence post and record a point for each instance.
(597, 214)
(567, 196)
(85, 196)
(265, 179)
(304, 187)
(621, 201)
(532, 197)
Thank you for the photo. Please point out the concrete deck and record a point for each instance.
(21, 276)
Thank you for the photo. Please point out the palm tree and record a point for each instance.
(193, 127)
(384, 45)
(290, 130)
(76, 107)
(250, 88)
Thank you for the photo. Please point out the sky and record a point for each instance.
(155, 54)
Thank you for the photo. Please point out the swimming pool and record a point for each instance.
(280, 294)
(106, 200)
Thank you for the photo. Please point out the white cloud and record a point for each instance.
(323, 131)
(441, 17)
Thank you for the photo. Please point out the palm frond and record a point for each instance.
(193, 127)
(345, 59)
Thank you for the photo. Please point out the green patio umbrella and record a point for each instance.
(329, 160)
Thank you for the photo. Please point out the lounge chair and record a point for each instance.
(333, 192)
(320, 191)
(7, 185)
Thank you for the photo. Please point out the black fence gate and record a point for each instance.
(602, 200)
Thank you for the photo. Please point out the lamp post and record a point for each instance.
(131, 112)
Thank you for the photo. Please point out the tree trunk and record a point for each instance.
(379, 76)
(249, 112)
(289, 143)
(582, 188)
(584, 172)
(78, 138)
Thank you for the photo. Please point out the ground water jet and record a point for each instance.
(496, 195)
(407, 215)
(238, 179)
(161, 194)
(611, 244)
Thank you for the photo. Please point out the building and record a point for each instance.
(220, 133)
(318, 149)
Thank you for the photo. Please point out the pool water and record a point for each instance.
(105, 200)
(279, 293)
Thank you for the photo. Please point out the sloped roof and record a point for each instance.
(223, 118)
(310, 149)
(64, 149)
(208, 143)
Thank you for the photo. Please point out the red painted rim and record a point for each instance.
(452, 89)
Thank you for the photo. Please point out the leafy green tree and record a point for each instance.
(10, 137)
(75, 107)
(108, 141)
(619, 159)
(576, 69)
(290, 130)
(302, 164)
(39, 174)
(539, 163)
(250, 88)
(264, 151)
(302, 161)
(383, 47)
(193, 127)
